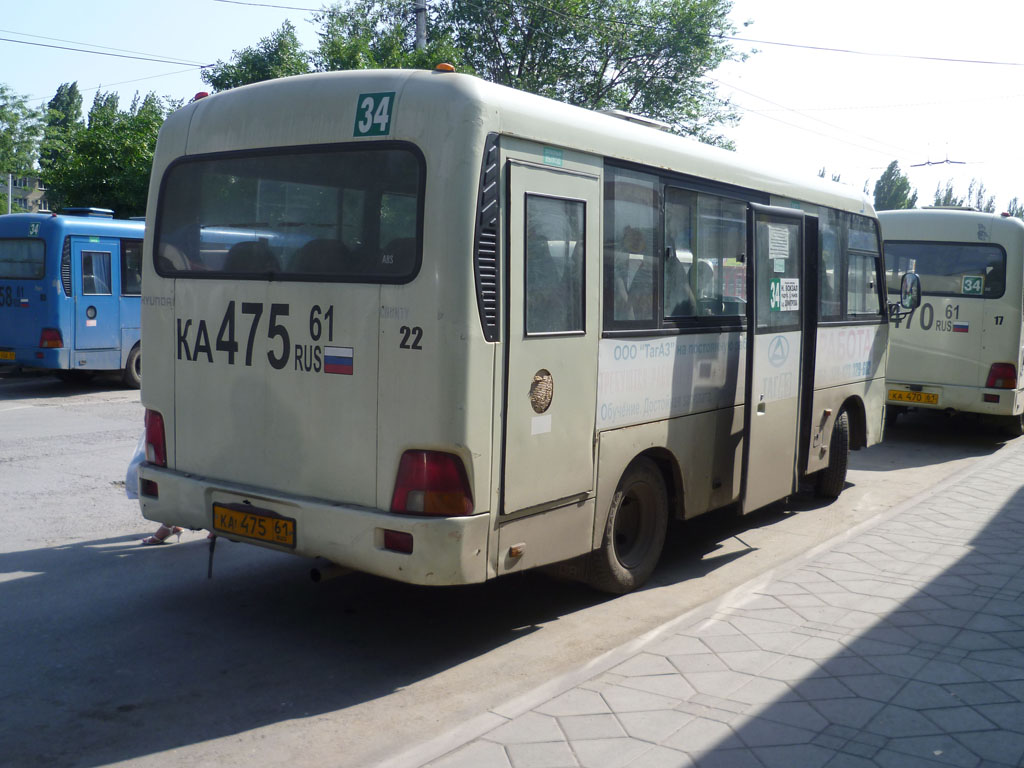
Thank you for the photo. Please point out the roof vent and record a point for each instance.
(650, 122)
(94, 213)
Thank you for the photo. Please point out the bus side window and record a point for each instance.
(554, 265)
(95, 273)
(131, 267)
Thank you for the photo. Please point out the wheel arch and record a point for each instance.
(854, 408)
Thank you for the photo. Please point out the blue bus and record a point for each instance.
(70, 293)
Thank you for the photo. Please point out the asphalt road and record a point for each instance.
(112, 653)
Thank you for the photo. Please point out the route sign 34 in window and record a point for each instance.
(784, 294)
(373, 114)
(973, 285)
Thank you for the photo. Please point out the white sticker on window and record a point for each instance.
(789, 294)
(780, 265)
(778, 242)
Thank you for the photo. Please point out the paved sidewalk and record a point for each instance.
(901, 643)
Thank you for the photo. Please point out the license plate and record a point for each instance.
(902, 396)
(253, 523)
(6, 355)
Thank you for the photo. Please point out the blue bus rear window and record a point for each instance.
(22, 259)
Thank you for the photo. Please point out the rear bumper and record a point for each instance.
(958, 398)
(36, 357)
(445, 550)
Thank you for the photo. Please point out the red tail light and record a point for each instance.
(1002, 376)
(50, 338)
(156, 441)
(432, 483)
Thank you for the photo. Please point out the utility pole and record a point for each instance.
(10, 190)
(421, 24)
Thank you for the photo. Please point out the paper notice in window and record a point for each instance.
(778, 242)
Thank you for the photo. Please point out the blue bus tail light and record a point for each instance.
(50, 338)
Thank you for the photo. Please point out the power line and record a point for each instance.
(269, 5)
(102, 53)
(853, 52)
(91, 45)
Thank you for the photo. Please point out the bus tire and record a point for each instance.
(1013, 426)
(830, 481)
(132, 375)
(635, 532)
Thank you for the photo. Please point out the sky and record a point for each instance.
(802, 110)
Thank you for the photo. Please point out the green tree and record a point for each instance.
(892, 190)
(835, 176)
(108, 160)
(1015, 208)
(975, 197)
(278, 55)
(63, 120)
(20, 129)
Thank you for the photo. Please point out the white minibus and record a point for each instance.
(961, 350)
(461, 331)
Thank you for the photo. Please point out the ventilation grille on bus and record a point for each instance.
(65, 266)
(485, 242)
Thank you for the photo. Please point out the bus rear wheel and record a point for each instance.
(1013, 426)
(635, 532)
(830, 481)
(132, 375)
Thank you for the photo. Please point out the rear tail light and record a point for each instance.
(432, 483)
(1002, 376)
(156, 441)
(50, 338)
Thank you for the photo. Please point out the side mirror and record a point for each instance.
(910, 291)
(910, 297)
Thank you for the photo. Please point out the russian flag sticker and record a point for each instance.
(338, 360)
(22, 302)
(961, 328)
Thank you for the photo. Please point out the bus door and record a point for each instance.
(95, 266)
(552, 346)
(775, 351)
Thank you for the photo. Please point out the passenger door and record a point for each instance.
(95, 270)
(552, 346)
(775, 354)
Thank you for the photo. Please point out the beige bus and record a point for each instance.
(962, 350)
(438, 330)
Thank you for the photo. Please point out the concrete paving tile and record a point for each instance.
(982, 693)
(717, 683)
(994, 673)
(749, 625)
(1013, 689)
(644, 664)
(755, 601)
(849, 761)
(793, 669)
(678, 645)
(874, 687)
(574, 702)
(527, 728)
(853, 713)
(887, 758)
(713, 627)
(822, 689)
(715, 708)
(990, 622)
(849, 665)
(803, 755)
(940, 748)
(893, 722)
(949, 617)
(478, 754)
(728, 758)
(751, 662)
(932, 633)
(700, 662)
(550, 755)
(778, 642)
(663, 757)
(758, 732)
(797, 713)
(820, 648)
(701, 735)
(674, 686)
(578, 727)
(1009, 717)
(1010, 657)
(998, 746)
(653, 726)
(971, 640)
(871, 645)
(620, 699)
(608, 753)
(945, 673)
(921, 696)
(959, 720)
(760, 691)
(899, 665)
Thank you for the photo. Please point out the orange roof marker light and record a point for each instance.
(444, 67)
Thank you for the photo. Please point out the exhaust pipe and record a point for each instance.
(328, 571)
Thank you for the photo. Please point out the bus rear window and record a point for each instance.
(948, 269)
(351, 214)
(22, 259)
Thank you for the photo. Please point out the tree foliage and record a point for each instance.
(644, 56)
(892, 190)
(279, 54)
(108, 159)
(63, 117)
(975, 197)
(20, 129)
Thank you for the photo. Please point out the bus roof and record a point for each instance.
(264, 115)
(20, 224)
